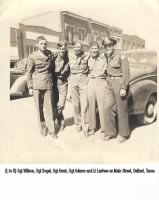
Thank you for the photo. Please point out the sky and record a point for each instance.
(135, 17)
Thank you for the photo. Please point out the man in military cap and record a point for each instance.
(78, 85)
(118, 79)
(40, 83)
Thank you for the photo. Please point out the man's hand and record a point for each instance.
(30, 91)
(122, 92)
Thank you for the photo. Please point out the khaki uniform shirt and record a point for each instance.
(97, 67)
(79, 65)
(117, 65)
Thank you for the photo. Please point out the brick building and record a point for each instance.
(56, 26)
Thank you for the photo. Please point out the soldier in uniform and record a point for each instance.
(78, 86)
(40, 83)
(61, 73)
(99, 93)
(118, 79)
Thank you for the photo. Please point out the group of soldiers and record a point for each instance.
(98, 83)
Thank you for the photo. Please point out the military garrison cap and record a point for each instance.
(109, 40)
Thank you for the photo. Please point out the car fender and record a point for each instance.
(139, 93)
(19, 87)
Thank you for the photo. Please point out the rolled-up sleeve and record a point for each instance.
(30, 70)
(125, 72)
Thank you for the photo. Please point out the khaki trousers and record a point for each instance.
(79, 94)
(100, 97)
(60, 91)
(44, 106)
(121, 107)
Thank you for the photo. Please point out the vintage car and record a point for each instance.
(142, 99)
(18, 85)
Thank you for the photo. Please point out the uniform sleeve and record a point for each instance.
(70, 60)
(125, 71)
(89, 66)
(65, 72)
(30, 70)
(87, 59)
(44, 67)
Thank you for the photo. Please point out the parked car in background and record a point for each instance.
(142, 100)
(18, 84)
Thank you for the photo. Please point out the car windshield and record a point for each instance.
(20, 65)
(142, 58)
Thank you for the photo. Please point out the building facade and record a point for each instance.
(29, 35)
(116, 33)
(63, 25)
(15, 44)
(132, 42)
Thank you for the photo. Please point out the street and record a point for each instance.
(23, 143)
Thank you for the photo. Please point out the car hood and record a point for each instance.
(139, 70)
(16, 71)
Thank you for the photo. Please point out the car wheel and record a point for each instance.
(150, 113)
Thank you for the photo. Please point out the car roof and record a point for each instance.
(140, 51)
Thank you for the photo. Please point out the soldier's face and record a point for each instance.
(109, 48)
(62, 51)
(94, 50)
(42, 45)
(77, 48)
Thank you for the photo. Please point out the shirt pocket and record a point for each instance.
(114, 64)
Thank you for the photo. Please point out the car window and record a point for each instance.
(12, 64)
(21, 65)
(142, 58)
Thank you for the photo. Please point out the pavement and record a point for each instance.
(22, 142)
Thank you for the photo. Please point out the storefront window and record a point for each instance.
(82, 34)
(30, 49)
(69, 36)
(13, 37)
(95, 36)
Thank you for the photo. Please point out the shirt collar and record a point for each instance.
(81, 55)
(111, 55)
(47, 55)
(97, 58)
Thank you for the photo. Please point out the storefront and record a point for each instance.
(63, 25)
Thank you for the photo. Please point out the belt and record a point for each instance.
(114, 77)
(85, 73)
(79, 74)
(97, 78)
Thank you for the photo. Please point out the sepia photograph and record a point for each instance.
(82, 82)
(78, 106)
